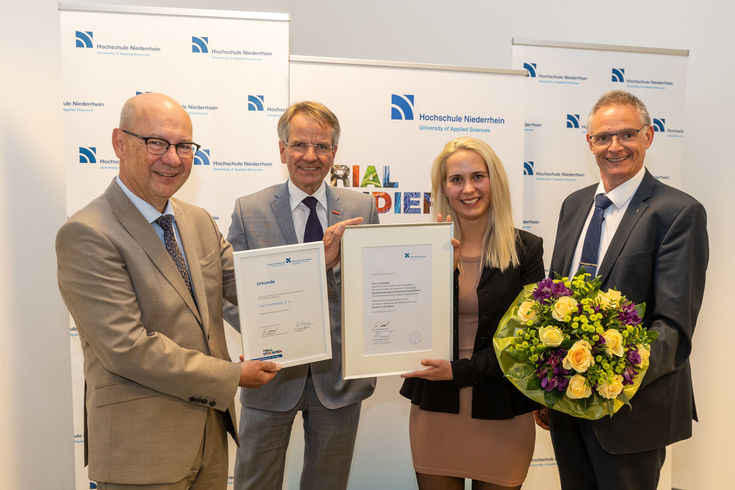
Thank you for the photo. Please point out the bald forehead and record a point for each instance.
(153, 106)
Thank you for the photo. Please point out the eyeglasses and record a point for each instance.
(320, 149)
(159, 146)
(624, 136)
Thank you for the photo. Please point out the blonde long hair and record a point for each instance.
(499, 240)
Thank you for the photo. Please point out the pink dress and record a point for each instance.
(494, 451)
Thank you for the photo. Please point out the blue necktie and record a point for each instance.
(591, 247)
(313, 231)
(169, 239)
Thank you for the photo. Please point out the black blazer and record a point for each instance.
(658, 255)
(493, 396)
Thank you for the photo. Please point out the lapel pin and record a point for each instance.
(336, 212)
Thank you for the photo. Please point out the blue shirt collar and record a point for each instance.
(146, 209)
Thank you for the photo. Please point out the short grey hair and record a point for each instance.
(312, 110)
(621, 97)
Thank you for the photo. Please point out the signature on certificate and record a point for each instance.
(302, 325)
(382, 331)
(269, 331)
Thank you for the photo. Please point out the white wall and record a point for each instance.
(35, 419)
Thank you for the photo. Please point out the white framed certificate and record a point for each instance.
(282, 298)
(397, 297)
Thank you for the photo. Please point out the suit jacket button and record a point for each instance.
(192, 399)
(211, 404)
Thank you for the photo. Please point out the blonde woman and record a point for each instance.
(467, 420)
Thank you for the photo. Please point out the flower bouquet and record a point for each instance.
(576, 349)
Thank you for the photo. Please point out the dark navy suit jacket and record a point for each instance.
(658, 256)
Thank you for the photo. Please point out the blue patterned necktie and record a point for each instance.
(591, 247)
(169, 239)
(313, 231)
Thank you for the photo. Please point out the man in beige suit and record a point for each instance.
(143, 275)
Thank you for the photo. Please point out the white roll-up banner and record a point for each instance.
(229, 70)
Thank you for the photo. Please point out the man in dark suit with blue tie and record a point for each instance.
(296, 211)
(649, 241)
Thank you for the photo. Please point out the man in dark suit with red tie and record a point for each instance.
(649, 241)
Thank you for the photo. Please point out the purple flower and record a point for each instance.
(549, 384)
(559, 290)
(634, 357)
(628, 315)
(543, 289)
(628, 375)
(551, 373)
(547, 289)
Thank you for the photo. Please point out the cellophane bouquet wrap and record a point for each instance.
(574, 348)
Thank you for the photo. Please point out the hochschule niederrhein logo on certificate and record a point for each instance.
(401, 107)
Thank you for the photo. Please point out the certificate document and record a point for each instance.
(397, 290)
(282, 298)
(397, 297)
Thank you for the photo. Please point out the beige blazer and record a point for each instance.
(155, 359)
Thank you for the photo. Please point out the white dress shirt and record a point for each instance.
(300, 211)
(613, 215)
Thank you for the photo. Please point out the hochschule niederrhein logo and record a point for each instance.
(618, 75)
(83, 39)
(87, 154)
(201, 157)
(659, 125)
(199, 44)
(573, 121)
(401, 107)
(528, 167)
(256, 102)
(531, 69)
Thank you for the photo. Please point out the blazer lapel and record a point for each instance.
(335, 210)
(487, 273)
(635, 210)
(142, 232)
(281, 207)
(187, 232)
